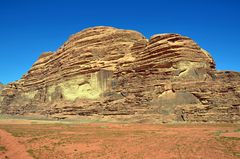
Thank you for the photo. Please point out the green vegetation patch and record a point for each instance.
(31, 152)
(2, 148)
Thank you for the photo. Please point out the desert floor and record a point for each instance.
(25, 139)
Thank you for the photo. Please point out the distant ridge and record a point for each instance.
(1, 85)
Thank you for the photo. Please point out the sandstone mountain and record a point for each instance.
(109, 73)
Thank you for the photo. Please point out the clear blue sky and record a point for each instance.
(30, 27)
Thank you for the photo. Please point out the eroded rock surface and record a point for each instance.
(104, 72)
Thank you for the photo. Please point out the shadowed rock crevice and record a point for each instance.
(105, 72)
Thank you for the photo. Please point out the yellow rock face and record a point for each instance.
(83, 87)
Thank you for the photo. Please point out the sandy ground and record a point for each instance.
(14, 149)
(21, 139)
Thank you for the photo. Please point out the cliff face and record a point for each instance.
(111, 73)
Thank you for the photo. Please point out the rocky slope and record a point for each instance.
(109, 73)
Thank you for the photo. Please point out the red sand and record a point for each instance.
(14, 149)
(121, 141)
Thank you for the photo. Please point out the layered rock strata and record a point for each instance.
(104, 72)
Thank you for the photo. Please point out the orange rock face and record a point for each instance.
(108, 73)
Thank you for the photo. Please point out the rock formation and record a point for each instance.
(104, 72)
